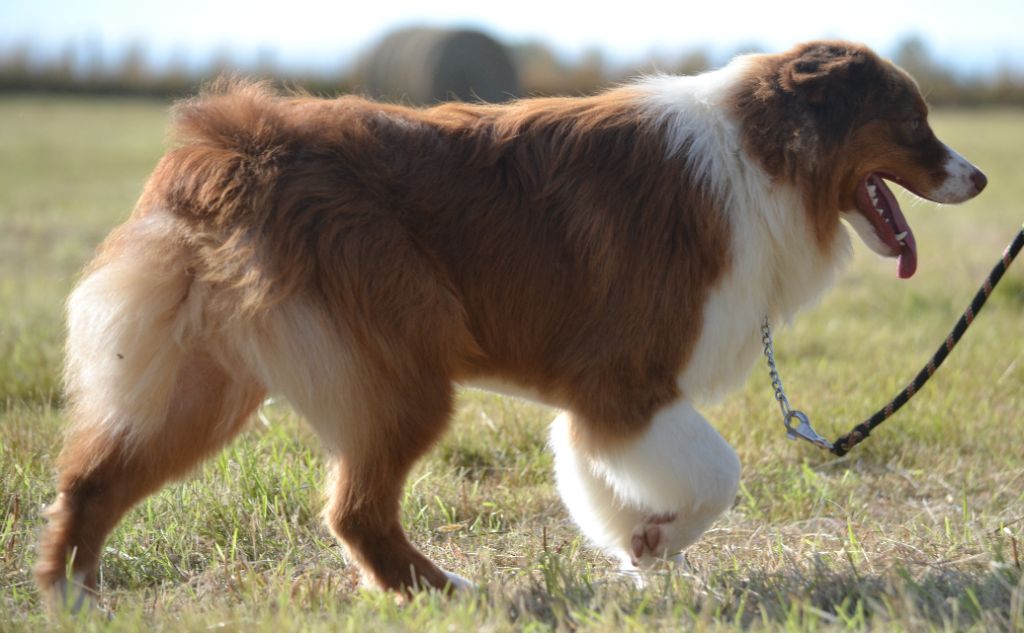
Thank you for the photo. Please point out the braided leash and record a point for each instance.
(860, 432)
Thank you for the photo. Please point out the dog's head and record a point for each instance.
(846, 123)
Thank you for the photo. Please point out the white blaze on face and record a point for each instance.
(963, 180)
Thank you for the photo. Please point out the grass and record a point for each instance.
(920, 528)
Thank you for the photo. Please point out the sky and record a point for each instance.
(975, 35)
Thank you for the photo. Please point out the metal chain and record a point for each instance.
(802, 429)
(773, 372)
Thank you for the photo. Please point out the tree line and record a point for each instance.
(82, 69)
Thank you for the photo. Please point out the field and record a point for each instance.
(920, 528)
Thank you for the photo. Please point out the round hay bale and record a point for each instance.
(425, 66)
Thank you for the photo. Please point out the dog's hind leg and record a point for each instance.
(378, 390)
(377, 410)
(645, 497)
(147, 400)
(366, 487)
(397, 409)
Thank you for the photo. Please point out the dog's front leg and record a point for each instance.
(648, 496)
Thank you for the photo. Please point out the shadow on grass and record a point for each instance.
(793, 599)
(941, 597)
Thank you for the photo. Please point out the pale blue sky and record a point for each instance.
(976, 34)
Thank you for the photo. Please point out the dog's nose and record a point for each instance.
(979, 180)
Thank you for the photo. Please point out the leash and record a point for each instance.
(798, 425)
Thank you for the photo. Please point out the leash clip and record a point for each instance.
(803, 429)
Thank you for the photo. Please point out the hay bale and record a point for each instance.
(425, 66)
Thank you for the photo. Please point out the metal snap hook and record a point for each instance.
(803, 429)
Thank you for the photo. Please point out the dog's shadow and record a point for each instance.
(939, 596)
(991, 597)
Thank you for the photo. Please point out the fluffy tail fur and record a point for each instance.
(230, 139)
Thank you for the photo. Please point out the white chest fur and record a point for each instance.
(776, 266)
(776, 269)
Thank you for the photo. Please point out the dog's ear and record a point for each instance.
(820, 72)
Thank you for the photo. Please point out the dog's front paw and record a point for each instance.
(649, 540)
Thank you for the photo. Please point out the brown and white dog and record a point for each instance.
(612, 256)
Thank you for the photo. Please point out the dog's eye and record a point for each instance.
(914, 129)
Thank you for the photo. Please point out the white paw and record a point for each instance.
(642, 576)
(634, 575)
(650, 540)
(458, 583)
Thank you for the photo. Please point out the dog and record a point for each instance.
(611, 256)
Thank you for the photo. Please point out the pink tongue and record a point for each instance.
(907, 260)
(907, 263)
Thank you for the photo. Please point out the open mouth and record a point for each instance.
(891, 232)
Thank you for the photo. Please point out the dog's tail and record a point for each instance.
(230, 142)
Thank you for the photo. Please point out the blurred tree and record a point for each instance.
(132, 67)
(15, 64)
(62, 67)
(693, 63)
(266, 62)
(936, 82)
(90, 60)
(913, 55)
(588, 75)
(540, 72)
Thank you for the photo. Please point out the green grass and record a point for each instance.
(920, 528)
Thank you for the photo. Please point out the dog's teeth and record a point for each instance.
(872, 189)
(901, 236)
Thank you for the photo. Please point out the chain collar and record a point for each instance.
(802, 428)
